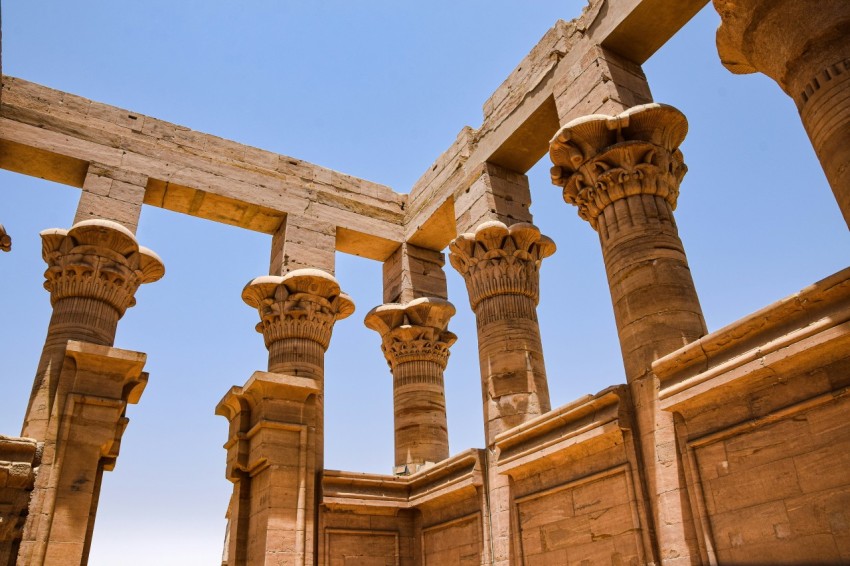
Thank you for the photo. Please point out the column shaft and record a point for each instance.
(501, 268)
(623, 174)
(804, 45)
(416, 342)
(275, 450)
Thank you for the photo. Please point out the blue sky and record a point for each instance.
(377, 90)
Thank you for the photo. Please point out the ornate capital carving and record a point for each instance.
(601, 159)
(500, 260)
(304, 303)
(97, 259)
(791, 41)
(415, 331)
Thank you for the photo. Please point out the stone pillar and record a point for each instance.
(415, 342)
(19, 461)
(112, 194)
(623, 174)
(83, 441)
(804, 45)
(82, 385)
(501, 267)
(275, 451)
(94, 270)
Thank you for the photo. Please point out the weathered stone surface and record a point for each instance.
(805, 47)
(726, 448)
(415, 341)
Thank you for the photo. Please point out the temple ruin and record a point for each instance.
(729, 447)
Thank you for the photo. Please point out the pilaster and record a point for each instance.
(803, 45)
(82, 442)
(276, 445)
(623, 173)
(415, 342)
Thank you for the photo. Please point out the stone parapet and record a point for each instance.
(19, 462)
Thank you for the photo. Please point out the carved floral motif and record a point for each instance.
(500, 260)
(97, 259)
(601, 159)
(415, 331)
(304, 303)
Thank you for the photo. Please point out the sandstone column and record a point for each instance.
(416, 342)
(275, 451)
(623, 174)
(82, 385)
(804, 45)
(94, 270)
(501, 267)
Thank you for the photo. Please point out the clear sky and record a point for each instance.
(376, 89)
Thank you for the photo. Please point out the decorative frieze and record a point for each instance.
(600, 159)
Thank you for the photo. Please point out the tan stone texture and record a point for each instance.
(415, 341)
(722, 448)
(804, 45)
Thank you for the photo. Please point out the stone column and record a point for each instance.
(416, 342)
(623, 174)
(82, 385)
(501, 267)
(93, 272)
(804, 45)
(275, 451)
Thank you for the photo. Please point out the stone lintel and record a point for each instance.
(602, 417)
(795, 336)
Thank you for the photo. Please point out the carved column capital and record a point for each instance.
(791, 41)
(500, 260)
(600, 159)
(304, 303)
(415, 331)
(100, 260)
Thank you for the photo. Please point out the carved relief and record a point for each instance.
(304, 303)
(499, 260)
(19, 462)
(97, 259)
(601, 159)
(414, 332)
